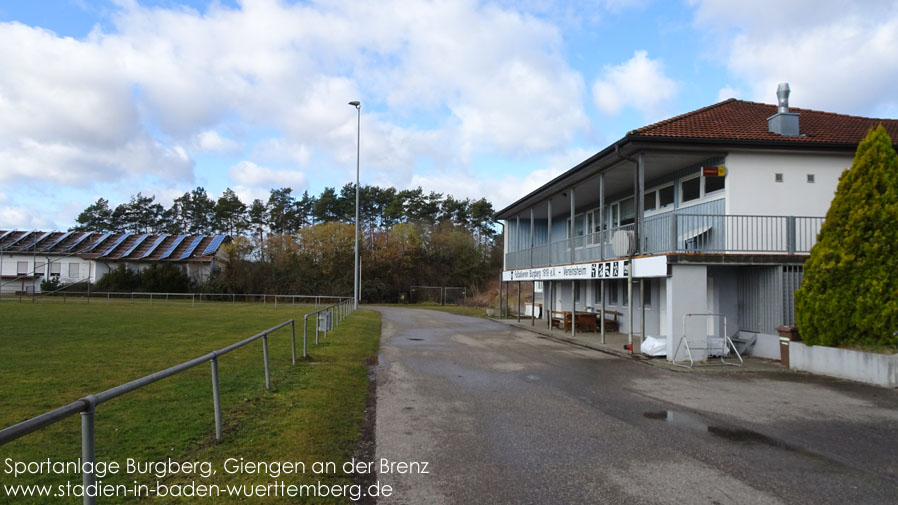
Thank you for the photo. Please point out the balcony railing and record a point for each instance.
(680, 233)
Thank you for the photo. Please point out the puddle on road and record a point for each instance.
(416, 339)
(688, 421)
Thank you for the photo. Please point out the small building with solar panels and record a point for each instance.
(28, 257)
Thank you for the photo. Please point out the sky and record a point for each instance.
(107, 98)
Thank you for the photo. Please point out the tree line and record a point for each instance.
(305, 244)
(197, 212)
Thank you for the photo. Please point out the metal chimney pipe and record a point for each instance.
(782, 97)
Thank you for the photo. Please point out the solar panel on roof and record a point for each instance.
(98, 242)
(76, 242)
(172, 247)
(115, 244)
(139, 241)
(58, 240)
(42, 237)
(16, 241)
(214, 245)
(8, 233)
(155, 245)
(193, 245)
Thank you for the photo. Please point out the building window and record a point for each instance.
(650, 201)
(73, 270)
(55, 268)
(778, 177)
(624, 295)
(39, 268)
(811, 178)
(612, 292)
(690, 189)
(666, 196)
(22, 268)
(715, 183)
(647, 295)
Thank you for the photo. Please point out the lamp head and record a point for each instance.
(355, 103)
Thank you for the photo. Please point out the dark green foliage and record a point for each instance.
(849, 295)
(163, 278)
(119, 279)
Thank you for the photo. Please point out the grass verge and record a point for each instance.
(313, 413)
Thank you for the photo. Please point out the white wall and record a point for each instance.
(751, 188)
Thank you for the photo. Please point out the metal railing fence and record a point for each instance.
(680, 233)
(87, 405)
(64, 296)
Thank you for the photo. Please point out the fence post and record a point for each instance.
(673, 232)
(151, 298)
(216, 397)
(317, 317)
(275, 301)
(233, 297)
(293, 338)
(305, 334)
(265, 356)
(88, 478)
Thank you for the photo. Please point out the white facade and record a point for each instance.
(806, 185)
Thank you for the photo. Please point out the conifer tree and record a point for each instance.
(849, 294)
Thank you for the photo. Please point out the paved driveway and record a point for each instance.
(502, 415)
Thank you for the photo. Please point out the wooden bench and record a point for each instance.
(586, 321)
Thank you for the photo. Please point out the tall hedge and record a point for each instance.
(849, 294)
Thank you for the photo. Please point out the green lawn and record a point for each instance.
(52, 354)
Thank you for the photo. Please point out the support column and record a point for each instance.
(602, 219)
(602, 313)
(549, 230)
(519, 301)
(531, 237)
(642, 310)
(533, 303)
(571, 230)
(573, 302)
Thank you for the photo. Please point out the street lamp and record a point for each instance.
(355, 279)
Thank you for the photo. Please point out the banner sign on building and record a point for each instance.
(615, 269)
(720, 171)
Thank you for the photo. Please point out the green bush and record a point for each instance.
(849, 294)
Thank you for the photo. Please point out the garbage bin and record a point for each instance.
(788, 333)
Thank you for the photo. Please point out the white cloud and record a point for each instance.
(247, 173)
(24, 218)
(639, 83)
(836, 56)
(728, 92)
(439, 81)
(211, 141)
(500, 191)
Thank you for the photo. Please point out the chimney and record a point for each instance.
(784, 123)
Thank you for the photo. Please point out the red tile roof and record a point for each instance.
(740, 120)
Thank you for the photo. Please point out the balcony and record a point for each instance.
(680, 233)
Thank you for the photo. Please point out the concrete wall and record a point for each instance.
(766, 346)
(686, 294)
(751, 188)
(880, 369)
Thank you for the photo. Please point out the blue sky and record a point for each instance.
(474, 99)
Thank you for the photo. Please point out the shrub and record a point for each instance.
(849, 294)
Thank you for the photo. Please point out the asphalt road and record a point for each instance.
(503, 415)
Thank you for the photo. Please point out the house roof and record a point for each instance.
(113, 246)
(740, 120)
(730, 123)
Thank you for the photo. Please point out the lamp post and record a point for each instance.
(355, 279)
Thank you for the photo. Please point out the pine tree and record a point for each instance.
(849, 294)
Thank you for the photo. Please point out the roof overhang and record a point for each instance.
(661, 154)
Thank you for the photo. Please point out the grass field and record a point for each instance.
(52, 354)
